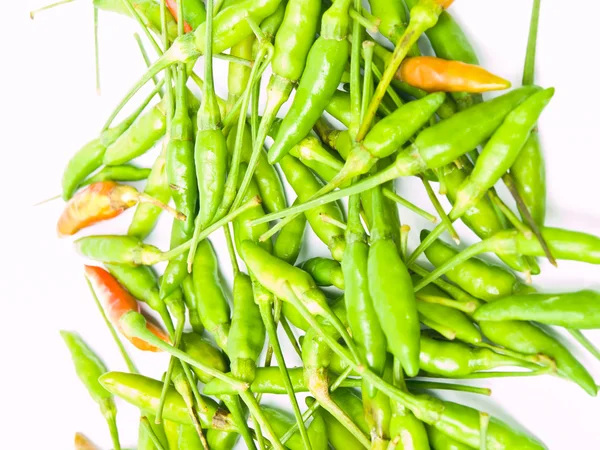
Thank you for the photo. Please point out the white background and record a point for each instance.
(50, 108)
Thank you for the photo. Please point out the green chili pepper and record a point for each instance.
(126, 172)
(326, 272)
(482, 280)
(200, 348)
(221, 440)
(452, 359)
(378, 414)
(441, 441)
(281, 422)
(492, 283)
(482, 217)
(213, 307)
(528, 170)
(266, 176)
(444, 319)
(305, 184)
(362, 317)
(89, 367)
(247, 333)
(339, 436)
(325, 65)
(390, 289)
(434, 147)
(288, 244)
(572, 310)
(191, 302)
(339, 107)
(172, 432)
(182, 181)
(144, 393)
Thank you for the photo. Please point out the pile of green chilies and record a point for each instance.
(380, 332)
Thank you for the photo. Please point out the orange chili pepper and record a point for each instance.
(172, 6)
(444, 3)
(435, 74)
(118, 301)
(102, 201)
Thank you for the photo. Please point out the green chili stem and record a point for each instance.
(267, 316)
(260, 419)
(585, 342)
(529, 69)
(136, 324)
(512, 218)
(145, 56)
(390, 90)
(233, 404)
(368, 48)
(113, 332)
(194, 386)
(290, 334)
(328, 219)
(145, 198)
(370, 23)
(135, 14)
(173, 253)
(231, 250)
(418, 384)
(96, 51)
(456, 292)
(480, 375)
(533, 361)
(468, 308)
(355, 93)
(167, 380)
(440, 211)
(46, 7)
(196, 422)
(392, 392)
(425, 243)
(408, 205)
(111, 420)
(526, 214)
(312, 408)
(155, 440)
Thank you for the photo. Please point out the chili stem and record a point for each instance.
(231, 250)
(290, 335)
(167, 380)
(529, 69)
(440, 210)
(456, 292)
(404, 232)
(328, 219)
(585, 342)
(96, 51)
(368, 48)
(150, 431)
(408, 205)
(47, 7)
(371, 23)
(468, 308)
(484, 421)
(390, 90)
(418, 384)
(173, 253)
(144, 198)
(267, 316)
(512, 218)
(111, 421)
(113, 332)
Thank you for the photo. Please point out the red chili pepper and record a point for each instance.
(172, 5)
(118, 301)
(435, 74)
(102, 201)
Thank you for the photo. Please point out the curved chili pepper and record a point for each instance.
(580, 310)
(289, 242)
(213, 307)
(326, 272)
(99, 201)
(453, 359)
(390, 288)
(125, 172)
(145, 440)
(89, 367)
(435, 74)
(117, 302)
(441, 441)
(202, 349)
(325, 65)
(144, 393)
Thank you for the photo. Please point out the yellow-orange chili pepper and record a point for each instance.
(102, 201)
(435, 74)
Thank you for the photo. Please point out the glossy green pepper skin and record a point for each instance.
(282, 421)
(339, 107)
(325, 65)
(529, 174)
(391, 289)
(289, 242)
(305, 184)
(580, 310)
(213, 306)
(325, 271)
(203, 350)
(480, 217)
(117, 250)
(267, 380)
(480, 279)
(87, 159)
(125, 172)
(434, 315)
(441, 144)
(457, 359)
(339, 436)
(144, 393)
(441, 441)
